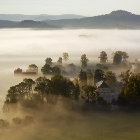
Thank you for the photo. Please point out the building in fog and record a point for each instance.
(104, 91)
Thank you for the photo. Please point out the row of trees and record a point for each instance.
(42, 91)
(34, 94)
(118, 58)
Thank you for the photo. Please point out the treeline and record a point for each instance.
(34, 94)
(119, 58)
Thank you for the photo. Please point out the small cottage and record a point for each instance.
(104, 91)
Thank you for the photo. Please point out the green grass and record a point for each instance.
(94, 126)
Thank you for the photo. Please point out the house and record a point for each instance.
(18, 71)
(104, 91)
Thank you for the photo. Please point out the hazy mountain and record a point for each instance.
(117, 19)
(19, 17)
(5, 23)
(26, 24)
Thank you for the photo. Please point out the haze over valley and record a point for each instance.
(69, 76)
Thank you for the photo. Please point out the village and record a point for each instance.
(108, 84)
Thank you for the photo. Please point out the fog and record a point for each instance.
(42, 43)
(20, 48)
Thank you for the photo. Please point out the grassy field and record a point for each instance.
(74, 126)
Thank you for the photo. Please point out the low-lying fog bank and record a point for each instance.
(25, 42)
(20, 48)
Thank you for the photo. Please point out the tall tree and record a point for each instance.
(111, 79)
(46, 69)
(90, 93)
(56, 70)
(130, 93)
(119, 56)
(84, 61)
(65, 56)
(98, 76)
(124, 56)
(48, 61)
(59, 61)
(82, 78)
(90, 78)
(103, 57)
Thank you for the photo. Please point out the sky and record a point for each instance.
(58, 7)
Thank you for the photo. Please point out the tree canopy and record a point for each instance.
(48, 61)
(98, 76)
(130, 93)
(103, 57)
(84, 61)
(65, 56)
(119, 56)
(34, 94)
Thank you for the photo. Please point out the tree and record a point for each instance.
(62, 87)
(103, 57)
(82, 78)
(89, 93)
(90, 79)
(33, 66)
(46, 69)
(111, 79)
(98, 76)
(124, 56)
(125, 76)
(119, 56)
(56, 70)
(76, 92)
(130, 93)
(48, 61)
(65, 56)
(43, 88)
(84, 61)
(59, 61)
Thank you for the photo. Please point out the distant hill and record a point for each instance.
(26, 24)
(19, 17)
(5, 23)
(117, 19)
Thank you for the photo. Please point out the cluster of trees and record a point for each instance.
(47, 69)
(34, 94)
(118, 57)
(130, 94)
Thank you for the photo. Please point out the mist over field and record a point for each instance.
(43, 43)
(20, 48)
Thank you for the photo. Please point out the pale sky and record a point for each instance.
(57, 7)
